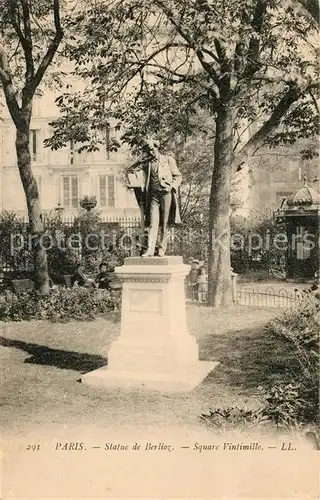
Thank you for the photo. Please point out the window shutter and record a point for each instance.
(74, 192)
(66, 191)
(102, 190)
(111, 191)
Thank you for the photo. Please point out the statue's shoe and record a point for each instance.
(161, 252)
(147, 254)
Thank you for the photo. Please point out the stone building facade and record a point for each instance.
(63, 176)
(271, 176)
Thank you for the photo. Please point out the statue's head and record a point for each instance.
(151, 147)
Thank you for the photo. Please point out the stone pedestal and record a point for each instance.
(154, 350)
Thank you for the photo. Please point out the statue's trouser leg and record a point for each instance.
(154, 224)
(165, 204)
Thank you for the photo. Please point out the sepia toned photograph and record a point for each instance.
(159, 249)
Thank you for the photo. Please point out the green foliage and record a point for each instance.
(37, 17)
(14, 231)
(102, 242)
(153, 66)
(62, 257)
(298, 395)
(284, 405)
(62, 304)
(292, 403)
(194, 156)
(85, 239)
(224, 419)
(190, 239)
(300, 123)
(300, 325)
(158, 64)
(258, 226)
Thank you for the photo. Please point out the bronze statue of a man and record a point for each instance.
(156, 193)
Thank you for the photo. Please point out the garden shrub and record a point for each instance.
(299, 391)
(65, 243)
(61, 304)
(100, 241)
(13, 233)
(190, 239)
(62, 257)
(293, 402)
(262, 255)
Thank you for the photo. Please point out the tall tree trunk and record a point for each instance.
(34, 212)
(219, 264)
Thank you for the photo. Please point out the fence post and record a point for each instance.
(234, 285)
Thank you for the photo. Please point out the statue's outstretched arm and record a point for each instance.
(175, 172)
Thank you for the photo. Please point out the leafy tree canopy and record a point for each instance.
(30, 35)
(152, 65)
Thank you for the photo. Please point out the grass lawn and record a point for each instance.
(41, 363)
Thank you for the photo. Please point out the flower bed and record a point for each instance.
(61, 304)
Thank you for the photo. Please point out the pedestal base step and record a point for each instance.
(183, 381)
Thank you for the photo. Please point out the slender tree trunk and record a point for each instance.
(34, 212)
(219, 264)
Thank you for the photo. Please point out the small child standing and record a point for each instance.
(193, 279)
(202, 285)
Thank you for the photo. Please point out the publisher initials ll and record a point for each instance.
(287, 447)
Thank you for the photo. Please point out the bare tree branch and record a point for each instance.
(51, 51)
(208, 67)
(24, 39)
(220, 50)
(254, 44)
(291, 96)
(8, 89)
(27, 39)
(314, 100)
(142, 65)
(211, 54)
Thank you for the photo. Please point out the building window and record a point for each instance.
(111, 191)
(34, 134)
(107, 190)
(102, 190)
(70, 192)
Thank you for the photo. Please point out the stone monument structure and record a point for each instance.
(154, 350)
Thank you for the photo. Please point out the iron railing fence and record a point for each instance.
(269, 297)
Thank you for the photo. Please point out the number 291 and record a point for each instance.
(33, 447)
